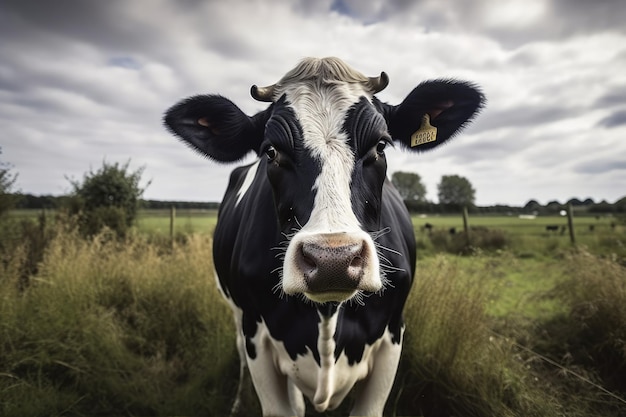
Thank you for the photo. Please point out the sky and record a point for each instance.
(87, 82)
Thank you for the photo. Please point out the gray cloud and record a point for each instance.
(511, 23)
(615, 119)
(612, 98)
(601, 167)
(83, 81)
(522, 116)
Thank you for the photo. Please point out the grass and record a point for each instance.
(525, 238)
(137, 327)
(453, 365)
(110, 328)
(186, 221)
(496, 335)
(593, 327)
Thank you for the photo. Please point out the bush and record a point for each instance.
(114, 218)
(7, 181)
(108, 197)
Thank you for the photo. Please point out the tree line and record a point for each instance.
(112, 195)
(51, 202)
(455, 192)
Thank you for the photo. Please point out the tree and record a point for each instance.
(410, 186)
(554, 207)
(532, 205)
(108, 197)
(455, 191)
(7, 181)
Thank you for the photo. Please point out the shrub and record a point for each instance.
(114, 218)
(7, 182)
(107, 197)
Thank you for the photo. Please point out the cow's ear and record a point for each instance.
(215, 127)
(446, 105)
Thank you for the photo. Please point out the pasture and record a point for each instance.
(523, 237)
(523, 324)
(186, 221)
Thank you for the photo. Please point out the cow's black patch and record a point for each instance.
(293, 171)
(366, 129)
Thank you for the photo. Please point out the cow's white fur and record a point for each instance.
(280, 381)
(247, 182)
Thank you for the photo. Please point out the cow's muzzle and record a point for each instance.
(331, 267)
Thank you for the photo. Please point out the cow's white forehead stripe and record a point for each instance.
(322, 113)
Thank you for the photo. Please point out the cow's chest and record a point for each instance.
(326, 383)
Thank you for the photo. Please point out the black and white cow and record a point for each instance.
(314, 248)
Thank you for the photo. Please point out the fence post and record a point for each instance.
(466, 225)
(570, 224)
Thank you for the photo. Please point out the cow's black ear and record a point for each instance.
(215, 127)
(449, 105)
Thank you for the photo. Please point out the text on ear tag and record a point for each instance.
(426, 133)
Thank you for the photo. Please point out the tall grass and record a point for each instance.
(110, 328)
(590, 338)
(452, 363)
(136, 327)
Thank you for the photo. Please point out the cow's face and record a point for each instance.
(327, 174)
(323, 141)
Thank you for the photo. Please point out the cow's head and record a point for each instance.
(322, 142)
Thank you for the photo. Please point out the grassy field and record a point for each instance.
(523, 325)
(185, 221)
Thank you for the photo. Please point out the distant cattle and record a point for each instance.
(314, 248)
(552, 228)
(428, 227)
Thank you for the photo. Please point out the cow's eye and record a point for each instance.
(271, 153)
(380, 147)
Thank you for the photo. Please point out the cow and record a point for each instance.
(314, 249)
(552, 228)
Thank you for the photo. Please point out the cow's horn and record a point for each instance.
(262, 93)
(378, 84)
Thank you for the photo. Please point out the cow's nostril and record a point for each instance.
(357, 262)
(355, 269)
(307, 262)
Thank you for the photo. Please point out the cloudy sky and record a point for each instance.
(82, 82)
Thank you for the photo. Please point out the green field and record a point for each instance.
(185, 221)
(203, 221)
(522, 324)
(519, 226)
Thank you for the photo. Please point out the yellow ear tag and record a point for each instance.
(426, 133)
